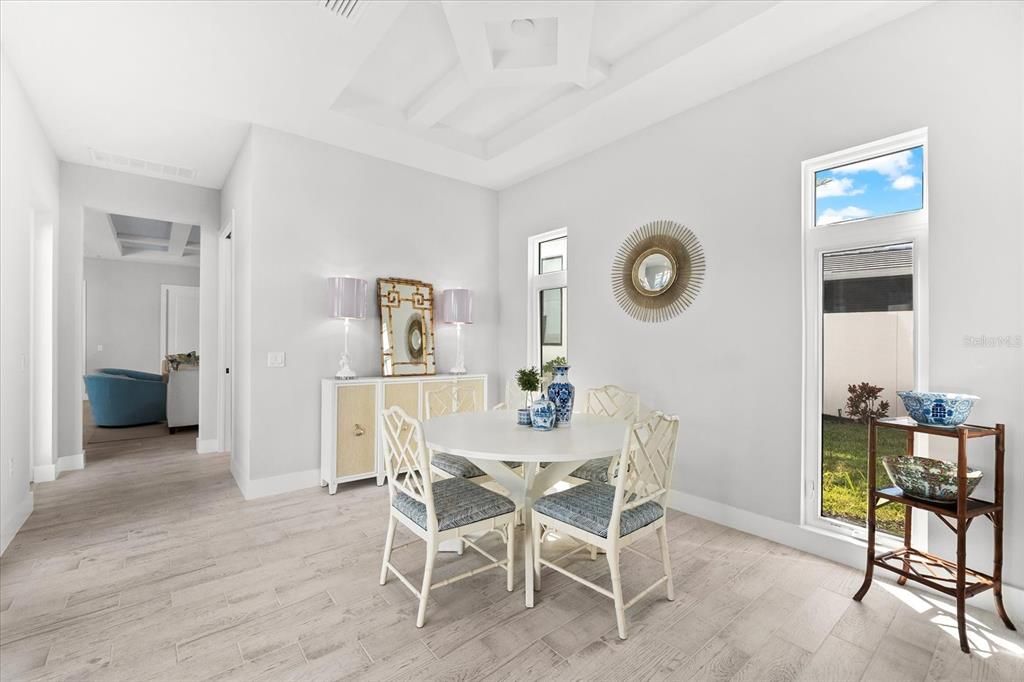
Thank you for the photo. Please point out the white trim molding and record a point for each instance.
(207, 446)
(44, 473)
(836, 547)
(75, 462)
(276, 485)
(16, 520)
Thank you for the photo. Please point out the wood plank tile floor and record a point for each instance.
(148, 565)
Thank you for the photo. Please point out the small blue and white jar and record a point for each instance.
(542, 414)
(523, 416)
(562, 394)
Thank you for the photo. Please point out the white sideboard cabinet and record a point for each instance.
(351, 445)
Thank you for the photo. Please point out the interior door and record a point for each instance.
(179, 319)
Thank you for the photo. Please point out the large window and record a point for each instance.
(865, 241)
(547, 326)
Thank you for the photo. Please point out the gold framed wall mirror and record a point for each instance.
(406, 327)
(658, 271)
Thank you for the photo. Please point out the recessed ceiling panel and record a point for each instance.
(140, 227)
(523, 43)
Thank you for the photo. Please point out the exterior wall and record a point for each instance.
(874, 347)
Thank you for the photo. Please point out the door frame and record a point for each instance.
(165, 291)
(226, 335)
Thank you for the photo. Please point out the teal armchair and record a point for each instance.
(125, 397)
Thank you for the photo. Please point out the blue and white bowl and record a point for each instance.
(942, 410)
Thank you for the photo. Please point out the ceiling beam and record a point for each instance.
(179, 239)
(672, 47)
(137, 240)
(597, 73)
(113, 234)
(440, 99)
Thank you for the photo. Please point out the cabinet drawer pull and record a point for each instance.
(358, 430)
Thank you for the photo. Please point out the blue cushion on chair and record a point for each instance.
(595, 470)
(589, 508)
(456, 466)
(458, 502)
(460, 467)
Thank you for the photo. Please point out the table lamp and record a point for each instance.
(457, 309)
(348, 302)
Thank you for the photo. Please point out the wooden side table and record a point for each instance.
(954, 579)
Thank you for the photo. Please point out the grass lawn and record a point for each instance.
(844, 473)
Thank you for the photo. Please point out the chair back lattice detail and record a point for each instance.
(406, 459)
(450, 399)
(649, 454)
(613, 401)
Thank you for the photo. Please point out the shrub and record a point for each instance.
(861, 404)
(549, 367)
(528, 380)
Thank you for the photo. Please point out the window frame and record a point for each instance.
(536, 283)
(816, 240)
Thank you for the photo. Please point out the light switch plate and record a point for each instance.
(99, 347)
(275, 358)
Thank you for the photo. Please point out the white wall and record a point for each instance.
(123, 311)
(29, 191)
(83, 187)
(318, 211)
(731, 365)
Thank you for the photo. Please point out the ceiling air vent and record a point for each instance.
(346, 9)
(132, 165)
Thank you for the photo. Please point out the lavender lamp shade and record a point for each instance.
(457, 306)
(348, 297)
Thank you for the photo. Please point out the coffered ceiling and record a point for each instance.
(130, 238)
(487, 92)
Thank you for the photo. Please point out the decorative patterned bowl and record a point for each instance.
(927, 478)
(942, 410)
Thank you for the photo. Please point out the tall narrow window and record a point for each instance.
(548, 319)
(867, 351)
(865, 225)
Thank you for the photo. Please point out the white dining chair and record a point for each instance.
(614, 516)
(435, 511)
(449, 400)
(606, 401)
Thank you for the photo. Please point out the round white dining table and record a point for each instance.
(489, 439)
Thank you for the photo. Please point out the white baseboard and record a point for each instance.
(842, 550)
(276, 485)
(44, 473)
(13, 524)
(74, 462)
(204, 447)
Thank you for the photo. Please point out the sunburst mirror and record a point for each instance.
(658, 271)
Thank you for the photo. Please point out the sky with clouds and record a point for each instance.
(884, 185)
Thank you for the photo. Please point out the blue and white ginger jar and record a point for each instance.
(542, 414)
(562, 394)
